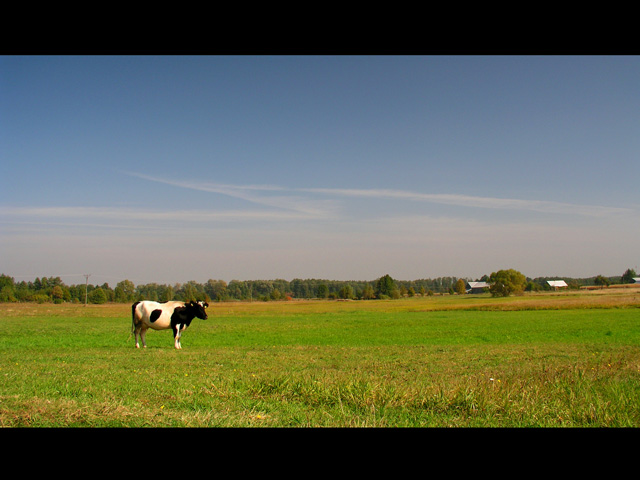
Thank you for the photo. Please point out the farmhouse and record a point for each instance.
(477, 287)
(556, 284)
(636, 279)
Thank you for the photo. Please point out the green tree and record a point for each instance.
(507, 282)
(275, 294)
(125, 291)
(601, 281)
(386, 287)
(108, 292)
(346, 292)
(7, 294)
(7, 289)
(167, 295)
(189, 292)
(216, 289)
(368, 293)
(323, 291)
(57, 294)
(6, 281)
(461, 287)
(98, 296)
(629, 275)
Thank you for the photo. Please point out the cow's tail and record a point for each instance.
(133, 317)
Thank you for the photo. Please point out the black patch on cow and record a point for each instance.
(155, 315)
(184, 315)
(180, 317)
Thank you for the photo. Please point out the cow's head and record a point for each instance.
(198, 309)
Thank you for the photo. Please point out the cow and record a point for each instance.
(162, 316)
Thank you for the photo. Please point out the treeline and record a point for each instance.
(53, 289)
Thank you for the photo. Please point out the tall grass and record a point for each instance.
(404, 363)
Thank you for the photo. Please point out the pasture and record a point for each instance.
(539, 360)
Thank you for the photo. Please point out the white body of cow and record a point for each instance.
(162, 316)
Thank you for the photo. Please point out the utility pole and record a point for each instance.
(86, 287)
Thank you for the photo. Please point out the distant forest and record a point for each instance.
(53, 289)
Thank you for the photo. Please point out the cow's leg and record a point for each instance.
(143, 336)
(137, 334)
(177, 333)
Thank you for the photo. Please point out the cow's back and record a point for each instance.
(158, 315)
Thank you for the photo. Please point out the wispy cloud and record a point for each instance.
(258, 194)
(123, 214)
(477, 202)
(291, 200)
(273, 204)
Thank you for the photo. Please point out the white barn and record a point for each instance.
(557, 284)
(477, 287)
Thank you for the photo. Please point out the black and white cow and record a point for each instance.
(161, 316)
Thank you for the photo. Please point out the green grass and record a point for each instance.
(538, 361)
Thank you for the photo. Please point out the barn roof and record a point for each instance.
(479, 284)
(557, 283)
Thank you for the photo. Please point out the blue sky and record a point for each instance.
(175, 168)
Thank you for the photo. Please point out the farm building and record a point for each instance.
(556, 284)
(636, 279)
(477, 287)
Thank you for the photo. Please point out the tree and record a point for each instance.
(461, 287)
(125, 291)
(6, 281)
(323, 291)
(368, 293)
(601, 281)
(57, 294)
(189, 291)
(346, 292)
(7, 290)
(629, 275)
(98, 296)
(216, 289)
(507, 282)
(275, 294)
(386, 287)
(7, 294)
(167, 295)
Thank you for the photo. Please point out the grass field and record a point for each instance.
(540, 360)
